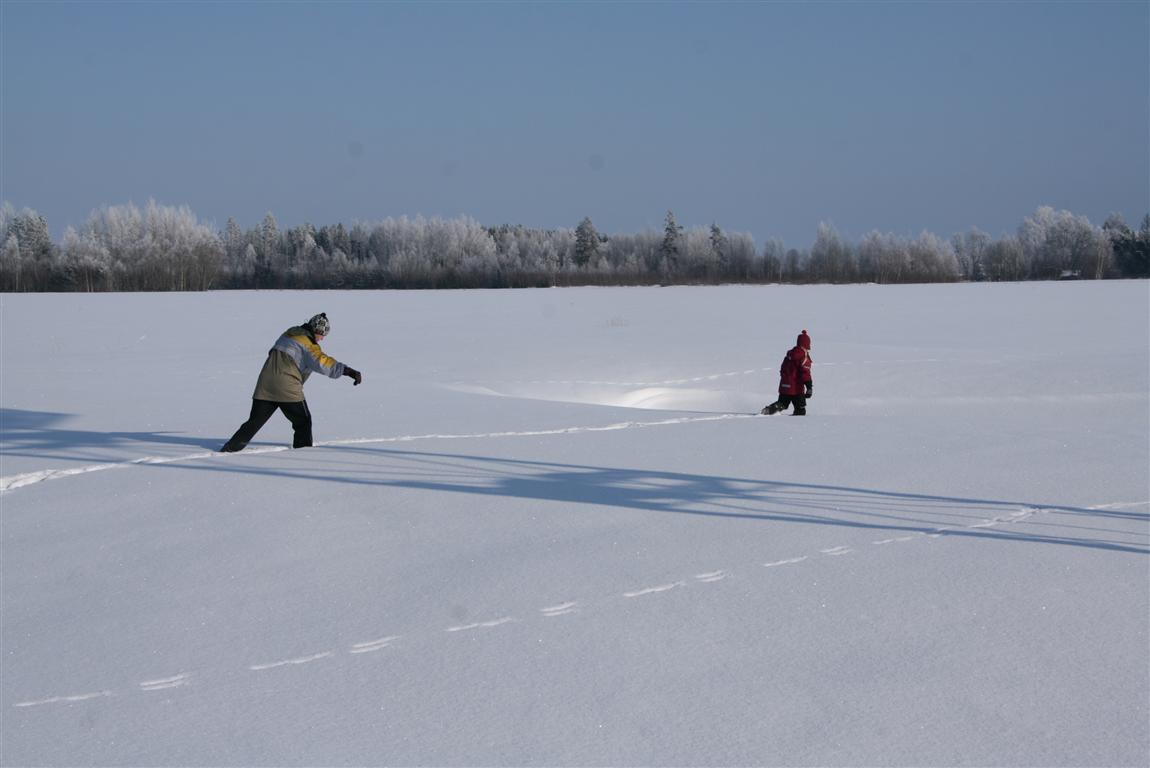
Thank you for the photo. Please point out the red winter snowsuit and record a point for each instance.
(795, 382)
(795, 372)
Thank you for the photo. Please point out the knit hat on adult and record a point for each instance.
(804, 340)
(319, 325)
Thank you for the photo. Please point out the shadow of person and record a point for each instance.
(42, 434)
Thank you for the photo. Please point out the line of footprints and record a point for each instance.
(562, 609)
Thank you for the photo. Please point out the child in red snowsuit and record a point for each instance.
(795, 383)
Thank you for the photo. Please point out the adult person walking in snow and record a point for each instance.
(295, 356)
(795, 382)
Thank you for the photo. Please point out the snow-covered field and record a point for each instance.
(547, 530)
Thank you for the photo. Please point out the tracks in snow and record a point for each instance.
(568, 608)
(574, 608)
(14, 482)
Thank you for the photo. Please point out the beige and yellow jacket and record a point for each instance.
(295, 356)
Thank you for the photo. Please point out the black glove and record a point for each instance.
(355, 375)
(810, 389)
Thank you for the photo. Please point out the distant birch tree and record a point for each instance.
(774, 252)
(831, 259)
(1005, 259)
(86, 261)
(970, 250)
(1059, 242)
(159, 248)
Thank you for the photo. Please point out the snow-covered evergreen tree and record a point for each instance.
(10, 265)
(719, 248)
(670, 250)
(586, 242)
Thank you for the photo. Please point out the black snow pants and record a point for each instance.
(784, 402)
(262, 410)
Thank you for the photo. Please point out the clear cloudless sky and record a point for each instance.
(765, 118)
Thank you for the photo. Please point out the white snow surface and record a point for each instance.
(548, 529)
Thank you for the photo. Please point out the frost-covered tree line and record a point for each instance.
(119, 248)
(450, 253)
(162, 248)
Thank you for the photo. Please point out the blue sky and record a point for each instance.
(765, 118)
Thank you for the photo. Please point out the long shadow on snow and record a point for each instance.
(725, 497)
(36, 434)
